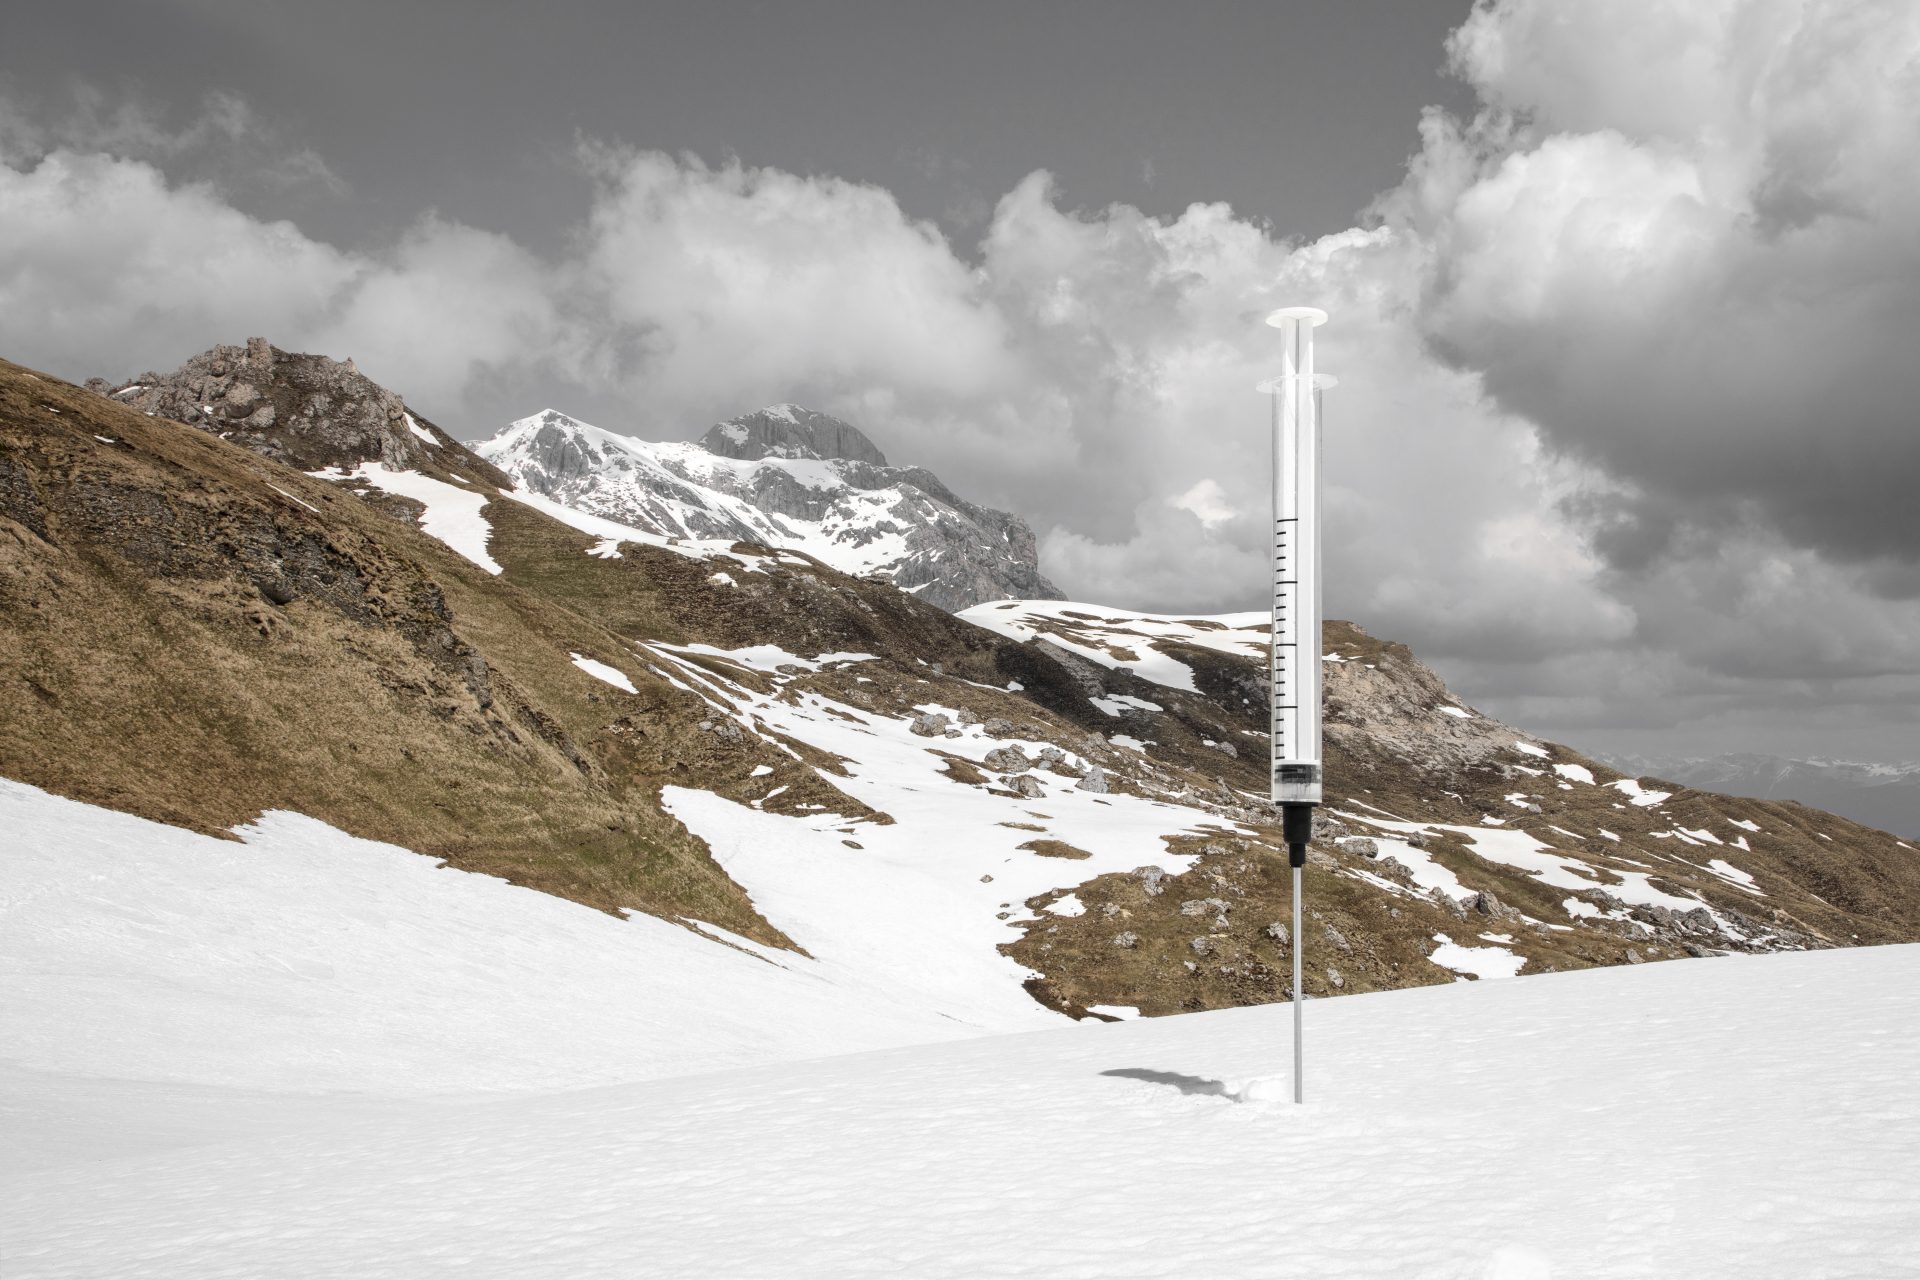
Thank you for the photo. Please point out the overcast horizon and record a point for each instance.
(1622, 305)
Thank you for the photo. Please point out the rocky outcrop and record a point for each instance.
(306, 411)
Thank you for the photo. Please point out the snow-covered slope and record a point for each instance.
(1557, 1127)
(782, 477)
(303, 958)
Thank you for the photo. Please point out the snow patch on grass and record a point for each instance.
(1476, 962)
(453, 515)
(1120, 703)
(602, 672)
(1639, 796)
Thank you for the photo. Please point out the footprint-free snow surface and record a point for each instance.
(396, 1091)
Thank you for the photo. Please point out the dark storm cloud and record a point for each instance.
(1614, 256)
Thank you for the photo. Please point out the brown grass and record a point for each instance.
(1052, 848)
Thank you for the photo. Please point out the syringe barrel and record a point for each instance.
(1295, 666)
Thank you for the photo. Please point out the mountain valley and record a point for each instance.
(1060, 806)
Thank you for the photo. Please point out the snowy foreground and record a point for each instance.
(439, 1074)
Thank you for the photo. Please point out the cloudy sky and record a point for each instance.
(1625, 295)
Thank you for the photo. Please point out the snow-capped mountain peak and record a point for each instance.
(782, 476)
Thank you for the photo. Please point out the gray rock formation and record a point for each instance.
(1007, 760)
(789, 431)
(306, 411)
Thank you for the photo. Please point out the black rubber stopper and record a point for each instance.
(1296, 826)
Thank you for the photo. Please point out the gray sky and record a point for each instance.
(473, 109)
(1625, 442)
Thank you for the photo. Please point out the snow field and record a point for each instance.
(1562, 1126)
(304, 958)
(935, 884)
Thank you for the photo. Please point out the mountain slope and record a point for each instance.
(788, 477)
(1050, 807)
(196, 634)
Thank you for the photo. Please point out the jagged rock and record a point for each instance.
(1152, 880)
(1336, 979)
(1025, 784)
(306, 411)
(1201, 946)
(997, 727)
(1337, 938)
(931, 725)
(1226, 747)
(1095, 781)
(1488, 905)
(1126, 941)
(1279, 933)
(1393, 869)
(1111, 910)
(1634, 957)
(1007, 760)
(1217, 907)
(1361, 845)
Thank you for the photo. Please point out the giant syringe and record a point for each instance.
(1294, 666)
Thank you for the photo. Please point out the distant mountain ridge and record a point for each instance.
(1878, 794)
(783, 476)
